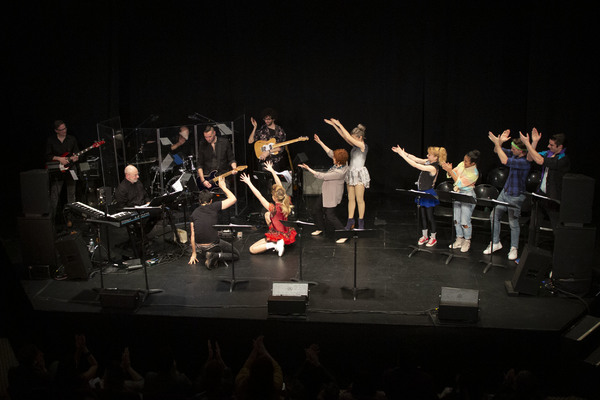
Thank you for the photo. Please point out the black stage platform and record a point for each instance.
(399, 290)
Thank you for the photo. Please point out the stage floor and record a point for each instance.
(393, 288)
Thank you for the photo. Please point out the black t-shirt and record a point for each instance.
(204, 217)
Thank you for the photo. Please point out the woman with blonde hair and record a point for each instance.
(357, 178)
(429, 168)
(278, 234)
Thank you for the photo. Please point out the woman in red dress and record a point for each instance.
(278, 235)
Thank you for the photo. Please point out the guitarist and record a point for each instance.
(266, 132)
(214, 154)
(60, 147)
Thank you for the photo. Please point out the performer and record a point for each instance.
(332, 190)
(268, 131)
(555, 164)
(429, 168)
(278, 234)
(203, 236)
(357, 178)
(56, 146)
(464, 176)
(183, 146)
(215, 154)
(512, 193)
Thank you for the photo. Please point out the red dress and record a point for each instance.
(276, 229)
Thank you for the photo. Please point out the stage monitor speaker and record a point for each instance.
(37, 240)
(458, 305)
(582, 337)
(74, 256)
(577, 199)
(287, 305)
(121, 299)
(534, 266)
(310, 184)
(573, 258)
(35, 192)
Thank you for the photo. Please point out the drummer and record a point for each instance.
(215, 157)
(182, 145)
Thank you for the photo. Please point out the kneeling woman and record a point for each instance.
(278, 234)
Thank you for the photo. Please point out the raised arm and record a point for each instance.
(251, 138)
(231, 199)
(535, 138)
(345, 134)
(412, 162)
(324, 146)
(269, 167)
(532, 154)
(498, 141)
(246, 179)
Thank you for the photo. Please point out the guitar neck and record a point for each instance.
(287, 142)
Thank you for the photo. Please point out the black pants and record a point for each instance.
(229, 252)
(325, 216)
(427, 215)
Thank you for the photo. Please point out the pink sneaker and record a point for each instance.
(432, 242)
(423, 240)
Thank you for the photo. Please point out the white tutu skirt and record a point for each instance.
(358, 176)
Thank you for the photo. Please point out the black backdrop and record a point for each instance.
(416, 73)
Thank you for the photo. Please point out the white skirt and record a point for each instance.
(358, 176)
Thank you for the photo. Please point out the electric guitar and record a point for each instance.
(213, 179)
(261, 146)
(66, 167)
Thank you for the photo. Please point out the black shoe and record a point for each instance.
(211, 260)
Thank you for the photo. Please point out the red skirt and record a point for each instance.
(288, 237)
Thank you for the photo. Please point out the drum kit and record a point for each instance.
(177, 176)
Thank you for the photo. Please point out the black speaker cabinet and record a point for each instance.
(534, 266)
(287, 305)
(37, 240)
(74, 256)
(577, 199)
(573, 258)
(35, 192)
(459, 305)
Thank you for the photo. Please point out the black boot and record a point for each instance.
(211, 259)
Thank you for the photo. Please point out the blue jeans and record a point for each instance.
(462, 219)
(513, 217)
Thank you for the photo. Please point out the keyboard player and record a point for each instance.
(131, 193)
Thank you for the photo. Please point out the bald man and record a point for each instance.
(131, 192)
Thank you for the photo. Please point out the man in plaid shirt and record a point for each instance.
(513, 192)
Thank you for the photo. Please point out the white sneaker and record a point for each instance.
(341, 240)
(457, 243)
(513, 254)
(280, 247)
(316, 233)
(488, 250)
(466, 245)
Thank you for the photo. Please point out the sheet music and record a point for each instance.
(286, 174)
(165, 141)
(166, 163)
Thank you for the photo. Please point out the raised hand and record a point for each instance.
(317, 139)
(269, 166)
(245, 178)
(222, 184)
(253, 121)
(399, 150)
(493, 138)
(524, 137)
(505, 136)
(446, 166)
(535, 135)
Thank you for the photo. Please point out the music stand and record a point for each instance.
(492, 203)
(355, 234)
(534, 224)
(299, 225)
(139, 210)
(418, 194)
(233, 227)
(458, 198)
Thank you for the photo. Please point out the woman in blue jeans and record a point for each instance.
(465, 176)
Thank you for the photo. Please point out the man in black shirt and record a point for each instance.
(215, 154)
(60, 147)
(131, 192)
(204, 237)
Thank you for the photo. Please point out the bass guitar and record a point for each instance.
(213, 179)
(261, 146)
(70, 164)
